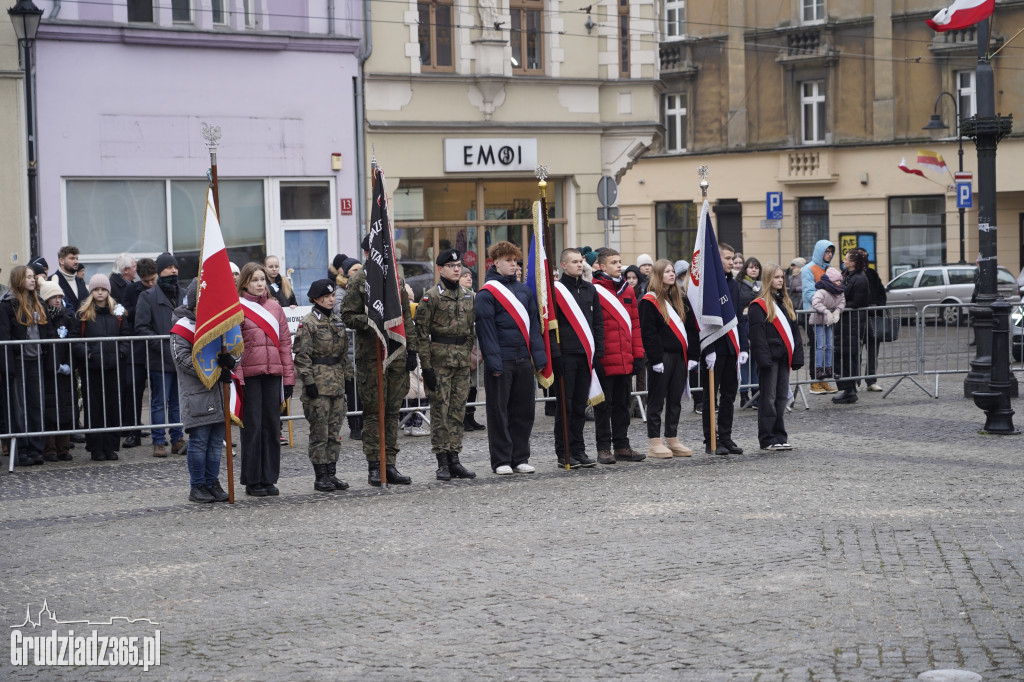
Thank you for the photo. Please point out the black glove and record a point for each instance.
(638, 366)
(225, 376)
(312, 392)
(227, 361)
(288, 392)
(410, 362)
(556, 364)
(796, 367)
(430, 379)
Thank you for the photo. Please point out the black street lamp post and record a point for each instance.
(26, 17)
(935, 123)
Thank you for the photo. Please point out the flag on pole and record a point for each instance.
(961, 14)
(708, 292)
(383, 300)
(906, 169)
(930, 159)
(218, 311)
(538, 278)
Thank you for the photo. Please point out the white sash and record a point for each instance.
(578, 322)
(262, 318)
(512, 305)
(611, 301)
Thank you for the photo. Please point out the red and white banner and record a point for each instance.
(961, 14)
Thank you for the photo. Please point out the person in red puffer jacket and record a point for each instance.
(623, 358)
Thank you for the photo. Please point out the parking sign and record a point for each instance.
(964, 198)
(773, 204)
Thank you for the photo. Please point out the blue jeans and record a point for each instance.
(164, 389)
(823, 345)
(205, 445)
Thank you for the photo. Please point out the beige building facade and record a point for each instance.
(821, 100)
(13, 169)
(464, 98)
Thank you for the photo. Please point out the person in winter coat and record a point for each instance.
(339, 272)
(153, 318)
(824, 252)
(623, 359)
(670, 336)
(858, 295)
(202, 409)
(794, 281)
(749, 287)
(510, 359)
(59, 397)
(103, 363)
(776, 349)
(878, 298)
(267, 376)
(22, 318)
(280, 287)
(828, 304)
(135, 383)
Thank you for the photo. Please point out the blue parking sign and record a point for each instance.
(964, 198)
(773, 204)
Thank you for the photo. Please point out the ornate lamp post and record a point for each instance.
(26, 17)
(935, 123)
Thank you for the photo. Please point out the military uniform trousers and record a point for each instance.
(326, 415)
(448, 408)
(396, 386)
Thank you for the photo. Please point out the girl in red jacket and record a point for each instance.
(267, 379)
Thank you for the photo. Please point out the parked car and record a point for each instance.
(1017, 333)
(945, 284)
(417, 274)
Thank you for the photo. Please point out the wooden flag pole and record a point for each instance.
(381, 430)
(712, 407)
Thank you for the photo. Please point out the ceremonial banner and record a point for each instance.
(383, 301)
(538, 278)
(961, 14)
(708, 293)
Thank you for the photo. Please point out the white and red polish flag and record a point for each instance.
(961, 14)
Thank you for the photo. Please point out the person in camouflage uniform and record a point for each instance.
(445, 335)
(321, 352)
(395, 384)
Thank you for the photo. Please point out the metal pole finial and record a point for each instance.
(541, 171)
(211, 134)
(702, 171)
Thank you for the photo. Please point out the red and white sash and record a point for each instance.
(571, 309)
(611, 305)
(185, 328)
(675, 323)
(512, 305)
(781, 323)
(262, 318)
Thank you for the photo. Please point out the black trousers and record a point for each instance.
(510, 405)
(26, 405)
(133, 385)
(727, 383)
(773, 395)
(612, 416)
(261, 444)
(665, 391)
(104, 409)
(576, 373)
(847, 355)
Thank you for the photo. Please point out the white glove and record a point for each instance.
(833, 316)
(691, 365)
(659, 368)
(744, 356)
(709, 360)
(63, 369)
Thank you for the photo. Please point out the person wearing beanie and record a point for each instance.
(321, 352)
(40, 266)
(445, 334)
(645, 264)
(153, 318)
(100, 317)
(203, 415)
(234, 271)
(133, 384)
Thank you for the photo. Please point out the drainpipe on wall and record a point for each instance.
(360, 121)
(55, 11)
(330, 17)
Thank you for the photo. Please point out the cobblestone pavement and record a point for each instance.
(887, 544)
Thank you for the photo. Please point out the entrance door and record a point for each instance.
(306, 218)
(729, 223)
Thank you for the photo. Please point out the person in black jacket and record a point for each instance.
(279, 285)
(100, 317)
(775, 348)
(134, 385)
(570, 357)
(851, 325)
(878, 298)
(59, 399)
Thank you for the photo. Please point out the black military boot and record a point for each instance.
(323, 483)
(374, 477)
(442, 467)
(332, 469)
(455, 466)
(396, 477)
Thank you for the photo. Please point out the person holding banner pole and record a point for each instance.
(776, 349)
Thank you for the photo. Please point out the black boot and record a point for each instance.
(442, 467)
(323, 483)
(471, 424)
(455, 466)
(332, 469)
(395, 476)
(374, 477)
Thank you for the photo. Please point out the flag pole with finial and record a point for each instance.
(702, 171)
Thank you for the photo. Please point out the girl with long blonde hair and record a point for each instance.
(775, 349)
(670, 338)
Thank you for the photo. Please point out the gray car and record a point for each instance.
(945, 284)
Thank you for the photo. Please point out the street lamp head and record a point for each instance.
(26, 17)
(935, 123)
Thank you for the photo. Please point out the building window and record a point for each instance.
(812, 225)
(966, 94)
(675, 229)
(140, 11)
(675, 122)
(675, 20)
(181, 11)
(812, 11)
(917, 231)
(250, 14)
(526, 35)
(435, 34)
(220, 16)
(812, 112)
(624, 38)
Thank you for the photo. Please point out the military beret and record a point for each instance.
(449, 256)
(319, 288)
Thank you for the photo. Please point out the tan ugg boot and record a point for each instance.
(677, 448)
(657, 450)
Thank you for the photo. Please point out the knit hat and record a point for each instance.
(164, 261)
(39, 266)
(99, 281)
(191, 299)
(48, 290)
(644, 259)
(590, 257)
(339, 262)
(681, 268)
(347, 264)
(798, 261)
(834, 275)
(234, 269)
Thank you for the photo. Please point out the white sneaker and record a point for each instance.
(420, 430)
(504, 470)
(785, 446)
(874, 388)
(525, 468)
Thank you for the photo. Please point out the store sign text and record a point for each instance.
(490, 154)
